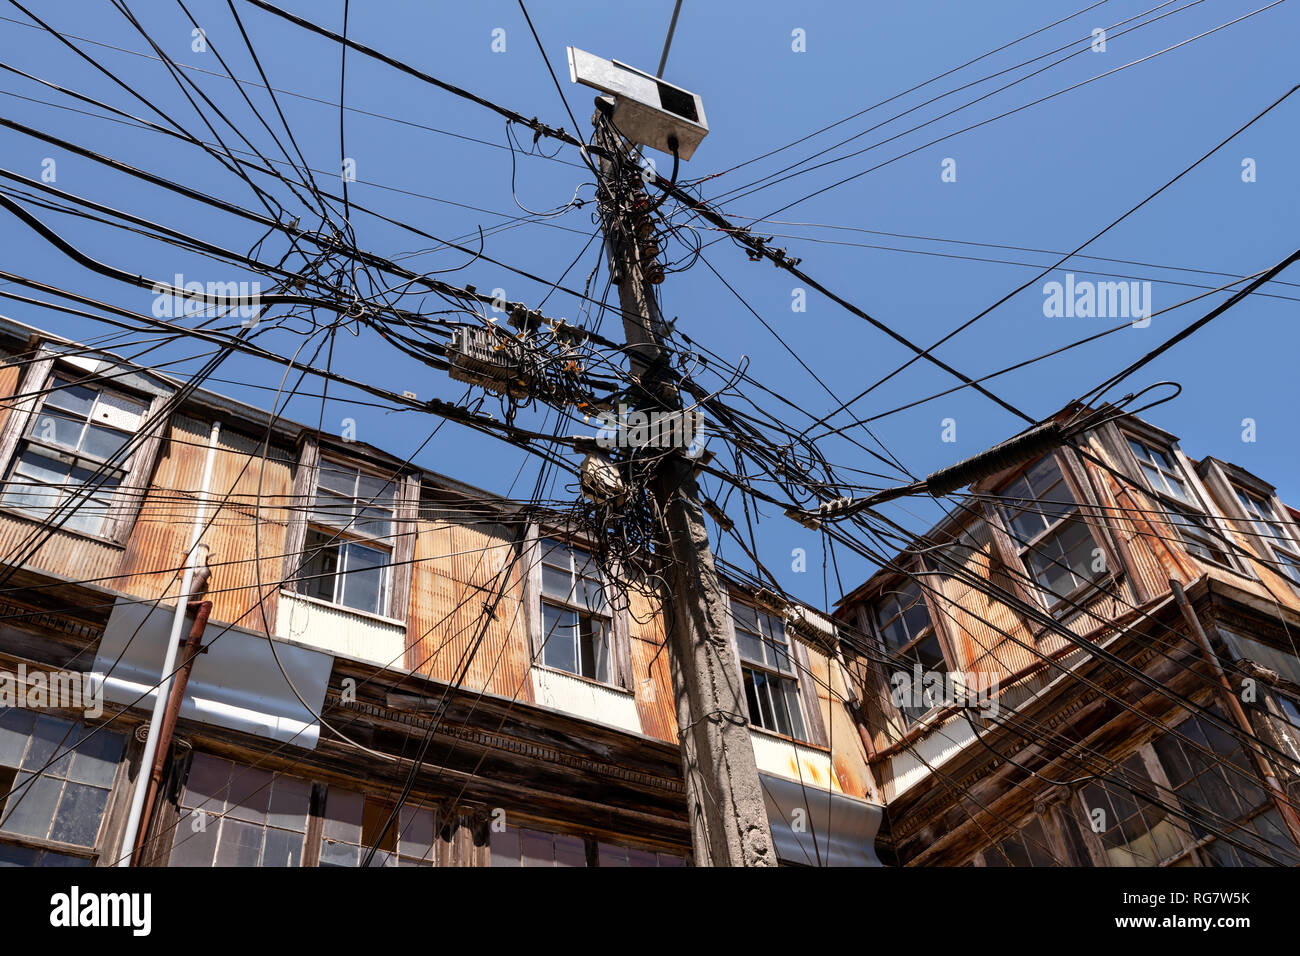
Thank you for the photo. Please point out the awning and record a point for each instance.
(237, 684)
(814, 827)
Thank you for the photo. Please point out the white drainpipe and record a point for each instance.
(169, 662)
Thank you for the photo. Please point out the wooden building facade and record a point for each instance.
(379, 635)
(1111, 633)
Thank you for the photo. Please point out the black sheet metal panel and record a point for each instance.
(813, 827)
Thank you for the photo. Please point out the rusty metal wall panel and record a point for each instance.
(454, 580)
(989, 637)
(250, 507)
(9, 376)
(651, 679)
(65, 554)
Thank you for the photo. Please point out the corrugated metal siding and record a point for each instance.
(162, 531)
(68, 555)
(847, 755)
(650, 675)
(453, 580)
(976, 622)
(9, 376)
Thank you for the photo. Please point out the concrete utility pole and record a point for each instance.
(724, 797)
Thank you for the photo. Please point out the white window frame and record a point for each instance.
(31, 441)
(344, 537)
(547, 547)
(770, 671)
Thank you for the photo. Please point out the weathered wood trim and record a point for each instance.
(30, 385)
(130, 498)
(531, 556)
(304, 491)
(812, 710)
(402, 569)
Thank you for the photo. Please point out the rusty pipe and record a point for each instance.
(175, 698)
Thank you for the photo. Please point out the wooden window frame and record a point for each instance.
(805, 687)
(1062, 607)
(127, 499)
(1197, 509)
(617, 605)
(399, 545)
(933, 628)
(1230, 483)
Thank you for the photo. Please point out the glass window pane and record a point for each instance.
(79, 813)
(192, 846)
(283, 848)
(102, 442)
(556, 583)
(505, 847)
(30, 809)
(538, 848)
(240, 844)
(58, 429)
(594, 649)
(74, 398)
(337, 478)
(290, 801)
(363, 584)
(15, 727)
(318, 576)
(343, 815)
(570, 850)
(207, 784)
(559, 631)
(339, 854)
(250, 794)
(610, 855)
(792, 708)
(375, 522)
(377, 491)
(332, 509)
(417, 830)
(52, 735)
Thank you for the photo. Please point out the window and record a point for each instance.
(234, 815)
(1165, 478)
(611, 855)
(908, 636)
(349, 542)
(514, 846)
(518, 846)
(1198, 787)
(767, 671)
(576, 621)
(1274, 538)
(75, 431)
(1051, 538)
(355, 821)
(1223, 799)
(65, 803)
(1133, 831)
(1028, 846)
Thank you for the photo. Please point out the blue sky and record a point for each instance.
(1043, 178)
